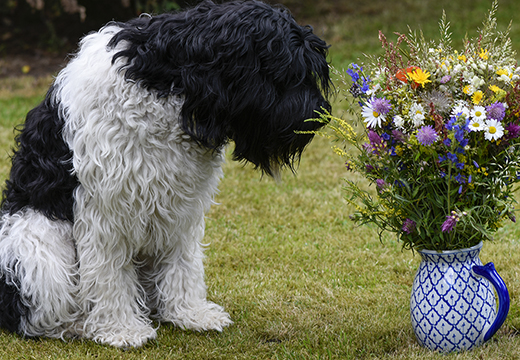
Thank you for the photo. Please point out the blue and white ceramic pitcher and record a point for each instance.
(453, 305)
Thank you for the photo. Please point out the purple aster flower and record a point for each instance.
(449, 224)
(496, 111)
(381, 105)
(427, 135)
(408, 226)
(445, 79)
(513, 131)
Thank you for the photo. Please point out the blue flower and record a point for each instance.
(353, 75)
(365, 86)
(450, 123)
(452, 157)
(459, 134)
(460, 179)
(447, 142)
(460, 166)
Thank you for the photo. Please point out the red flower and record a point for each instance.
(404, 77)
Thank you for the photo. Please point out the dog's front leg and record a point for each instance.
(110, 295)
(181, 290)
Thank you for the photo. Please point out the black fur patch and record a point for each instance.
(41, 173)
(11, 307)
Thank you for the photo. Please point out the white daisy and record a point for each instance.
(417, 114)
(460, 109)
(494, 130)
(373, 119)
(478, 113)
(476, 125)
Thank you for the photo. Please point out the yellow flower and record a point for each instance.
(483, 54)
(494, 88)
(462, 57)
(467, 89)
(503, 72)
(419, 76)
(477, 97)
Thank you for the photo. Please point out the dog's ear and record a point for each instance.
(313, 59)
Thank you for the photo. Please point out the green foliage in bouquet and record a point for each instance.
(438, 136)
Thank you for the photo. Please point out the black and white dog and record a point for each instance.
(103, 213)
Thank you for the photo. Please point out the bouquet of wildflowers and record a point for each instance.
(438, 135)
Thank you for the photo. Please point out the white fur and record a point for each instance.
(42, 260)
(139, 211)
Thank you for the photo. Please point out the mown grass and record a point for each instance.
(298, 278)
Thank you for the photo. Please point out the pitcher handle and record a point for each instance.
(488, 271)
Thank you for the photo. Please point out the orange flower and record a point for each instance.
(404, 76)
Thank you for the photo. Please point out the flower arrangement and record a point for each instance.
(438, 135)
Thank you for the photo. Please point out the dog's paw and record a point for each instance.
(206, 316)
(125, 338)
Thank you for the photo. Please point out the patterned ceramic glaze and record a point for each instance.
(453, 305)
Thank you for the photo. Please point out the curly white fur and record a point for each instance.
(41, 257)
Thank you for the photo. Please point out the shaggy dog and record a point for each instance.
(103, 213)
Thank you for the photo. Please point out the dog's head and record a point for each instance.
(247, 70)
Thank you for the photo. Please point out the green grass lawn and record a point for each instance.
(299, 279)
